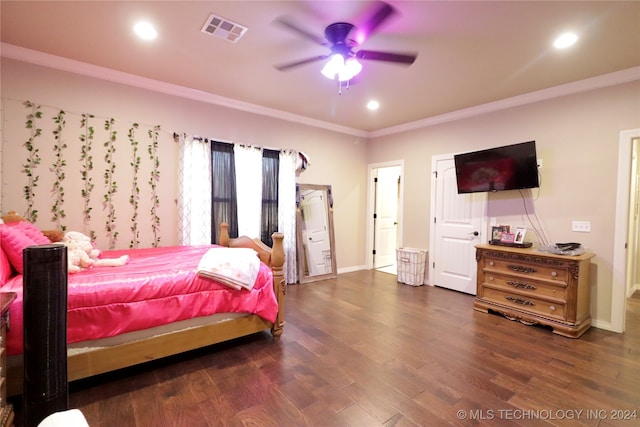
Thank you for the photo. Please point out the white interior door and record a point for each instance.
(386, 216)
(458, 225)
(316, 239)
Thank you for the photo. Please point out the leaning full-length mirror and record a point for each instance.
(314, 223)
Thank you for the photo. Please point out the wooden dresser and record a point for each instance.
(535, 287)
(6, 410)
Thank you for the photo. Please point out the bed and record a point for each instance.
(106, 333)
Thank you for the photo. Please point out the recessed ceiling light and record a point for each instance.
(565, 40)
(145, 30)
(373, 105)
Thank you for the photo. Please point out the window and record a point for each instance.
(223, 190)
(224, 207)
(270, 177)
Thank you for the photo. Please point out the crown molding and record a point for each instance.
(611, 79)
(89, 70)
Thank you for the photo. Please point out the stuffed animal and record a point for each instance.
(82, 254)
(12, 216)
(54, 236)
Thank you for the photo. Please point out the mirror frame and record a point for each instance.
(302, 278)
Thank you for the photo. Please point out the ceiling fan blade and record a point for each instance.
(289, 65)
(381, 12)
(401, 58)
(301, 31)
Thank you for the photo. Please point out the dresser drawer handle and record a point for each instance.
(520, 301)
(554, 274)
(520, 285)
(521, 269)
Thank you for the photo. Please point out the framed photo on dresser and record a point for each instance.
(519, 235)
(496, 233)
(507, 237)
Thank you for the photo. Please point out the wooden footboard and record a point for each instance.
(273, 257)
(106, 359)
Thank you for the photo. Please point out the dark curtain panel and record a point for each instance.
(270, 172)
(224, 206)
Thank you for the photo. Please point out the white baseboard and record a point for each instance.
(603, 325)
(351, 269)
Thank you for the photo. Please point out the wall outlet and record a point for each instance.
(539, 163)
(581, 226)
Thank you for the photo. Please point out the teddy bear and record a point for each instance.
(80, 251)
(10, 217)
(82, 254)
(54, 236)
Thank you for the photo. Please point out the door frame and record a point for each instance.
(623, 188)
(372, 167)
(432, 214)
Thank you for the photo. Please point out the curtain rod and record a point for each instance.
(176, 135)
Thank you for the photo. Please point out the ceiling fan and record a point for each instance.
(342, 39)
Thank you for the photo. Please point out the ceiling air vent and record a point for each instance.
(223, 28)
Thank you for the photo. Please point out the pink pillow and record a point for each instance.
(5, 268)
(31, 231)
(13, 241)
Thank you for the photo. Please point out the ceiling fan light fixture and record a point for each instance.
(351, 69)
(333, 66)
(343, 70)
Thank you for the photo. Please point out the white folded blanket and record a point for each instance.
(235, 267)
(70, 418)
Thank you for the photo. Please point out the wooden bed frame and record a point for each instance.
(106, 359)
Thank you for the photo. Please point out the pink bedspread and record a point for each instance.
(156, 287)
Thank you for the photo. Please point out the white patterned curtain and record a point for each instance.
(194, 191)
(248, 162)
(287, 211)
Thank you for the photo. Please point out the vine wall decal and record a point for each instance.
(153, 182)
(110, 185)
(86, 160)
(33, 159)
(135, 188)
(57, 209)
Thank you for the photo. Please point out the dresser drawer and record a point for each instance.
(527, 303)
(559, 271)
(527, 286)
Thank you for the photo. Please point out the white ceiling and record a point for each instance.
(469, 53)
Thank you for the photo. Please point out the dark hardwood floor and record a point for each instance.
(363, 350)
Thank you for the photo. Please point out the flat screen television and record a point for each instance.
(512, 167)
